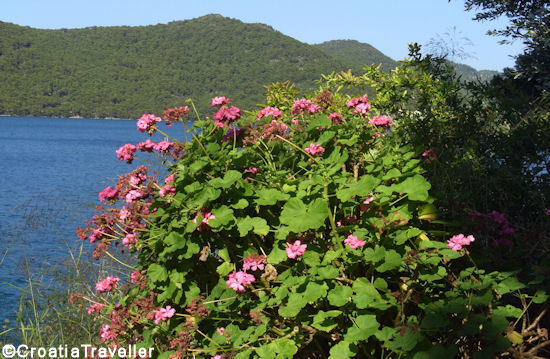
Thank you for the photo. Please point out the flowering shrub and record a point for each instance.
(294, 232)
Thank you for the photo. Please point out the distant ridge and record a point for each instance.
(123, 71)
(357, 53)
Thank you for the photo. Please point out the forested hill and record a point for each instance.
(356, 53)
(359, 54)
(125, 71)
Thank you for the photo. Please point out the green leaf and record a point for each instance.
(300, 216)
(343, 350)
(224, 216)
(157, 273)
(320, 121)
(242, 204)
(227, 181)
(270, 196)
(323, 320)
(540, 297)
(277, 254)
(415, 187)
(363, 327)
(339, 296)
(279, 349)
(392, 260)
(296, 302)
(509, 285)
(259, 226)
(225, 268)
(314, 291)
(349, 142)
(361, 188)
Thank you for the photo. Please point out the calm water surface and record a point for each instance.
(51, 172)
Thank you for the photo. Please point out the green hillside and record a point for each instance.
(357, 53)
(125, 71)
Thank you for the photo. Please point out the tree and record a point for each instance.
(530, 22)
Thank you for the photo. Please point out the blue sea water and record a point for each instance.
(51, 172)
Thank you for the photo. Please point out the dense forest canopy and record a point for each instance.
(123, 71)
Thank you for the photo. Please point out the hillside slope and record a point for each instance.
(357, 53)
(125, 71)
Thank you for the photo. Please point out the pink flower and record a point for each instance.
(237, 280)
(251, 170)
(225, 116)
(169, 179)
(353, 242)
(134, 195)
(135, 276)
(147, 122)
(254, 262)
(108, 193)
(457, 242)
(206, 216)
(124, 213)
(107, 284)
(106, 333)
(315, 150)
(296, 249)
(167, 190)
(270, 111)
(126, 152)
(357, 100)
(164, 314)
(163, 146)
(217, 356)
(548, 211)
(131, 238)
(368, 200)
(303, 105)
(94, 308)
(272, 130)
(138, 179)
(220, 330)
(219, 101)
(336, 118)
(382, 121)
(362, 108)
(146, 146)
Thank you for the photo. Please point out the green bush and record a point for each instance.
(306, 233)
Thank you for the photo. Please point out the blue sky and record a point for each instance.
(388, 25)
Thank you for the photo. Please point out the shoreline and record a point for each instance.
(71, 117)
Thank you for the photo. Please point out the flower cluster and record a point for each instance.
(381, 121)
(94, 308)
(220, 101)
(147, 123)
(254, 262)
(460, 240)
(174, 114)
(315, 150)
(163, 314)
(107, 194)
(226, 115)
(270, 111)
(303, 105)
(295, 249)
(237, 280)
(107, 284)
(353, 242)
(126, 152)
(359, 104)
